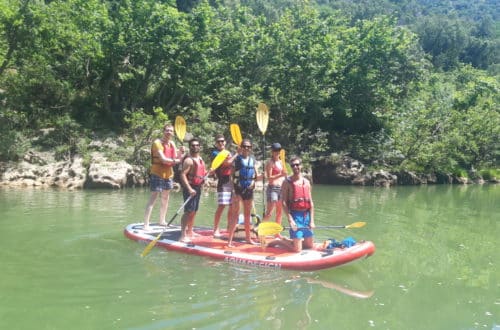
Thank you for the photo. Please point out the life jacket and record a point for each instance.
(223, 170)
(301, 196)
(157, 167)
(198, 177)
(244, 172)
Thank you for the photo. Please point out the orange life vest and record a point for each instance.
(157, 167)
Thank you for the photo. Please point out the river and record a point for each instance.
(65, 264)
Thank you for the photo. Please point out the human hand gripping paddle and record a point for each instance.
(218, 160)
(273, 228)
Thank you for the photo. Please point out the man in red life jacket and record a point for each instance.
(192, 178)
(299, 208)
(164, 155)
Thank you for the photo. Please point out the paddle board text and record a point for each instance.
(252, 262)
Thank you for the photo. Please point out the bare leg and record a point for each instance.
(217, 216)
(247, 210)
(184, 222)
(233, 218)
(165, 194)
(279, 211)
(149, 209)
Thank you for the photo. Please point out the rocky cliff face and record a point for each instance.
(41, 170)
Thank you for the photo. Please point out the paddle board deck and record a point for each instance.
(204, 244)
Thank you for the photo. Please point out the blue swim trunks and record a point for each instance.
(159, 184)
(302, 219)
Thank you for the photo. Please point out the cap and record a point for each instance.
(276, 146)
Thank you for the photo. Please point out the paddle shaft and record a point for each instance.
(179, 210)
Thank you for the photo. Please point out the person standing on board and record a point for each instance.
(224, 183)
(275, 174)
(299, 208)
(244, 176)
(164, 155)
(192, 178)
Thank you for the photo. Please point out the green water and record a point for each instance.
(65, 264)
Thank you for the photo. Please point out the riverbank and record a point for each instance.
(41, 169)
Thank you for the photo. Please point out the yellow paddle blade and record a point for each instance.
(356, 225)
(283, 160)
(219, 159)
(180, 128)
(236, 133)
(269, 228)
(150, 245)
(262, 115)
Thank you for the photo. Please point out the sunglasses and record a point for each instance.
(247, 147)
(194, 145)
(220, 141)
(296, 165)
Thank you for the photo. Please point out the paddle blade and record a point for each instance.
(283, 160)
(356, 225)
(219, 159)
(262, 115)
(236, 133)
(269, 228)
(150, 246)
(180, 128)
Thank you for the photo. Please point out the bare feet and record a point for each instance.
(146, 228)
(163, 224)
(184, 240)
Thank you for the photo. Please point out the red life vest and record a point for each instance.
(301, 197)
(198, 177)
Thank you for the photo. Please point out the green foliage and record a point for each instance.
(490, 174)
(66, 136)
(347, 77)
(141, 131)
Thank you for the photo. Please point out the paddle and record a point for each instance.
(283, 160)
(262, 116)
(218, 160)
(273, 228)
(180, 128)
(236, 134)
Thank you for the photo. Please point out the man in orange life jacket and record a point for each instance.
(164, 155)
(299, 207)
(192, 178)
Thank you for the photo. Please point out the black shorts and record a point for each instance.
(245, 193)
(194, 202)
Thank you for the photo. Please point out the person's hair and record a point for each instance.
(194, 140)
(247, 141)
(295, 158)
(219, 136)
(167, 125)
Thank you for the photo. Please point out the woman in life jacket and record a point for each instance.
(244, 175)
(164, 155)
(299, 208)
(275, 174)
